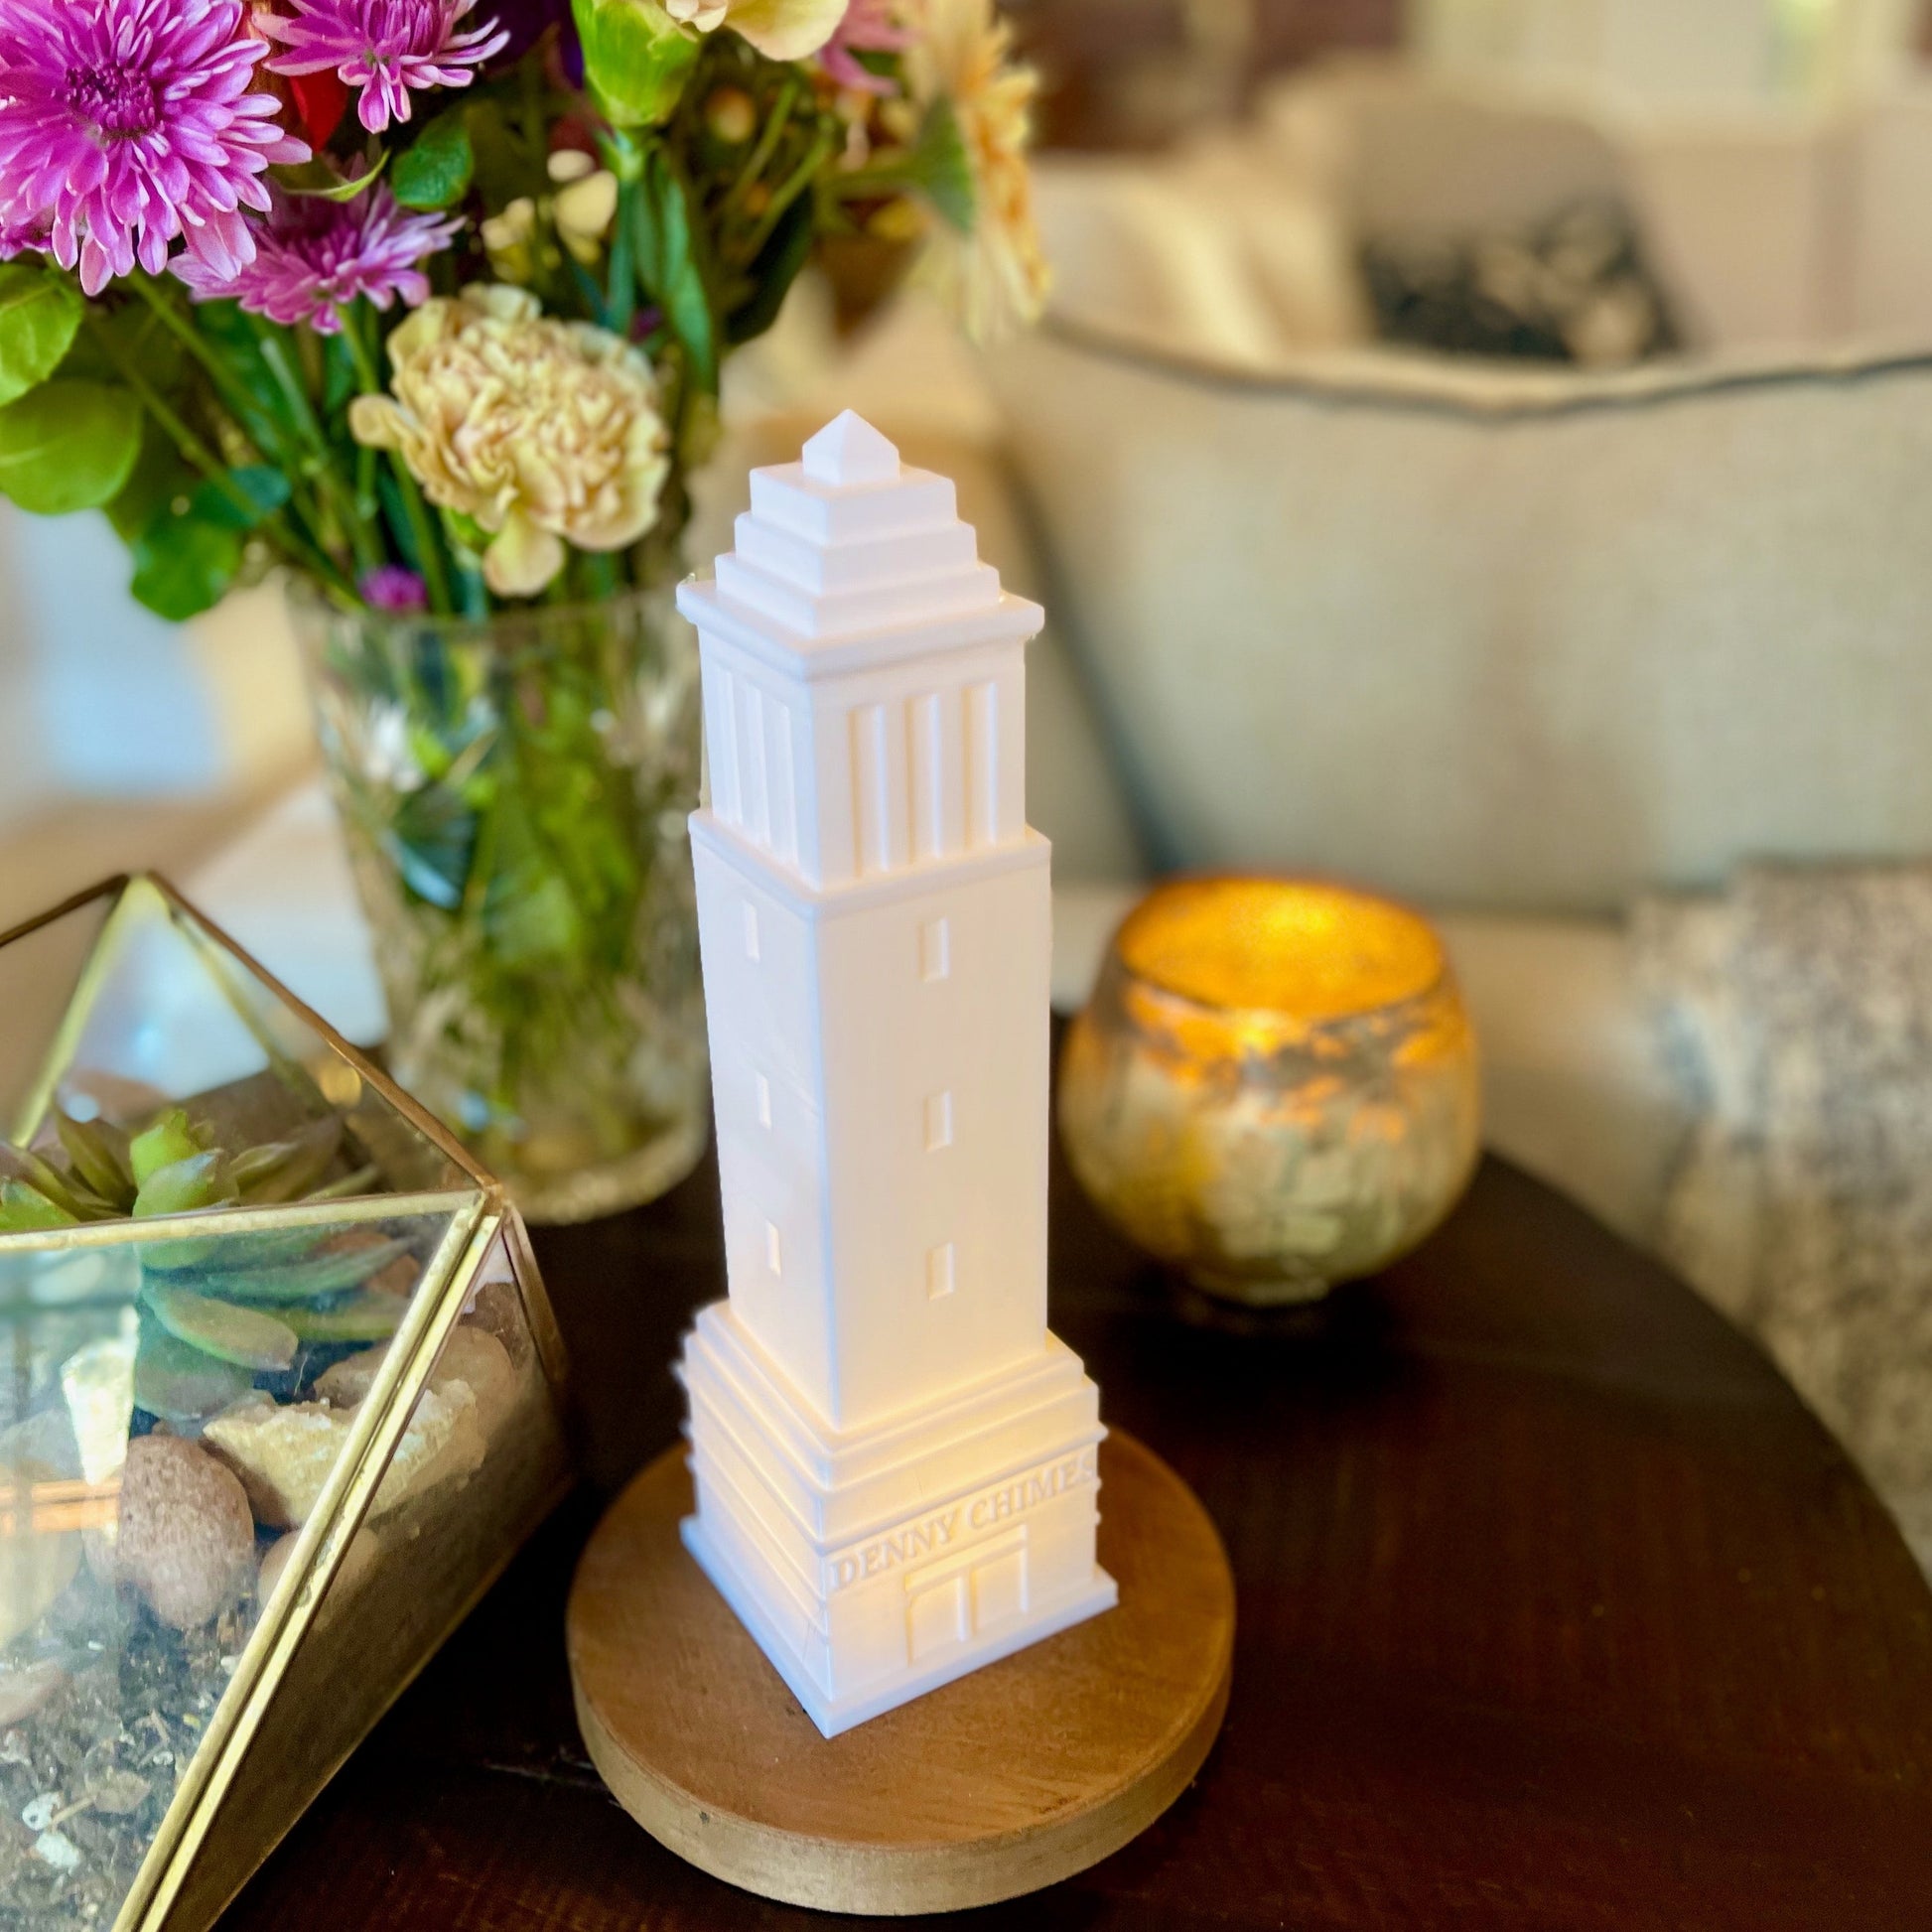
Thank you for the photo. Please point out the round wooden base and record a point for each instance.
(1009, 1780)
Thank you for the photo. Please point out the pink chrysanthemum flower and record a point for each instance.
(22, 237)
(313, 255)
(383, 49)
(126, 123)
(869, 27)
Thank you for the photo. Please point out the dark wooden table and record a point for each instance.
(1555, 1610)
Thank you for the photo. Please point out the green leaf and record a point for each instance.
(504, 167)
(140, 339)
(773, 270)
(229, 1254)
(181, 1384)
(184, 565)
(267, 418)
(67, 445)
(434, 171)
(70, 1195)
(266, 490)
(40, 315)
(318, 180)
(244, 1336)
(158, 478)
(636, 58)
(161, 1145)
(941, 169)
(298, 1279)
(187, 558)
(666, 243)
(280, 1170)
(99, 1152)
(365, 1317)
(340, 380)
(202, 1180)
(26, 1210)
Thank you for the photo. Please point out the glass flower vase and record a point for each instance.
(513, 792)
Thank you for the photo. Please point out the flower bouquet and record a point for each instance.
(425, 302)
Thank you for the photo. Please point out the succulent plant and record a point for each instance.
(217, 1309)
(171, 1166)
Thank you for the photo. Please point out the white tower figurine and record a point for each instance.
(895, 1461)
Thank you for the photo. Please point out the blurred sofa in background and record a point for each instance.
(1521, 642)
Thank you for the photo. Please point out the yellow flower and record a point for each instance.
(540, 431)
(584, 205)
(996, 276)
(781, 30)
(507, 241)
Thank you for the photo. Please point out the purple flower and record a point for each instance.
(385, 47)
(869, 27)
(126, 123)
(313, 255)
(391, 587)
(20, 238)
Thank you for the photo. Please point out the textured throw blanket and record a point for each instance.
(1797, 1008)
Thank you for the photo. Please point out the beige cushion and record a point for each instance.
(1212, 251)
(1493, 638)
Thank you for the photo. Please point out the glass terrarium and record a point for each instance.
(279, 1394)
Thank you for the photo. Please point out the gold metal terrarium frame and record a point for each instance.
(353, 1614)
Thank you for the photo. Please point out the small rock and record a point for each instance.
(497, 1308)
(357, 1560)
(274, 1562)
(36, 1814)
(119, 1793)
(345, 1384)
(472, 1355)
(284, 1453)
(187, 1539)
(58, 1849)
(23, 1691)
(475, 1356)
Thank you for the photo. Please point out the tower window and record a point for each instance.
(751, 931)
(938, 1121)
(773, 1258)
(941, 1271)
(763, 1087)
(935, 949)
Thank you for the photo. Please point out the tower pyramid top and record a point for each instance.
(847, 452)
(849, 558)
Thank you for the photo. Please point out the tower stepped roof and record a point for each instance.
(849, 557)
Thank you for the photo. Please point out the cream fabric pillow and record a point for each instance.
(1223, 251)
(1493, 638)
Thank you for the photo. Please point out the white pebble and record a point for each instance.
(38, 1813)
(56, 1850)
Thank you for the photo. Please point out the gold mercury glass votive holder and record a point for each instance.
(1274, 1085)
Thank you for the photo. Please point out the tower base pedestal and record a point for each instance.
(1001, 1782)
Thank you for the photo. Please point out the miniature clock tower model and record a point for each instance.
(895, 1462)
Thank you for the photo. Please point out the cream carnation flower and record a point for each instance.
(781, 30)
(996, 276)
(541, 431)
